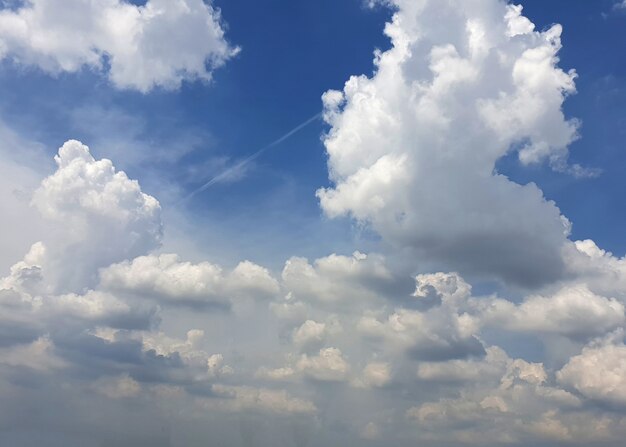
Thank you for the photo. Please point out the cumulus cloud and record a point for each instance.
(336, 278)
(328, 365)
(374, 375)
(599, 373)
(159, 44)
(444, 331)
(413, 150)
(96, 213)
(95, 317)
(165, 278)
(514, 394)
(572, 311)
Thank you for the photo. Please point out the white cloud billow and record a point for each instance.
(413, 150)
(573, 311)
(599, 373)
(166, 278)
(159, 44)
(96, 214)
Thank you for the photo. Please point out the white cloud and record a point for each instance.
(328, 366)
(166, 278)
(413, 149)
(92, 307)
(511, 393)
(441, 331)
(96, 214)
(311, 332)
(572, 311)
(159, 44)
(491, 366)
(598, 373)
(335, 278)
(374, 375)
(39, 355)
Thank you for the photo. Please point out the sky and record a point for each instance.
(290, 223)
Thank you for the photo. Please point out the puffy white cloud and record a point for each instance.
(572, 311)
(600, 270)
(493, 365)
(39, 355)
(374, 375)
(336, 278)
(164, 277)
(26, 275)
(97, 215)
(211, 366)
(598, 373)
(441, 330)
(413, 150)
(311, 332)
(511, 393)
(435, 289)
(94, 306)
(159, 44)
(328, 366)
(93, 309)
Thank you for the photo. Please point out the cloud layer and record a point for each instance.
(397, 349)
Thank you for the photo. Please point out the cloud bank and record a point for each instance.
(97, 319)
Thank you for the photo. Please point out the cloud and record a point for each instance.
(375, 375)
(413, 150)
(159, 44)
(573, 311)
(442, 332)
(599, 373)
(327, 366)
(95, 214)
(336, 278)
(311, 332)
(247, 398)
(166, 279)
(513, 393)
(96, 319)
(118, 387)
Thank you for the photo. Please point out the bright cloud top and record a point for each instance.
(413, 150)
(159, 44)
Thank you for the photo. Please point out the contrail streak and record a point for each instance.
(252, 157)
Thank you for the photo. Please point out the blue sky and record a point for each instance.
(437, 258)
(276, 82)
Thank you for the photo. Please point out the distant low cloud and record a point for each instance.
(159, 44)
